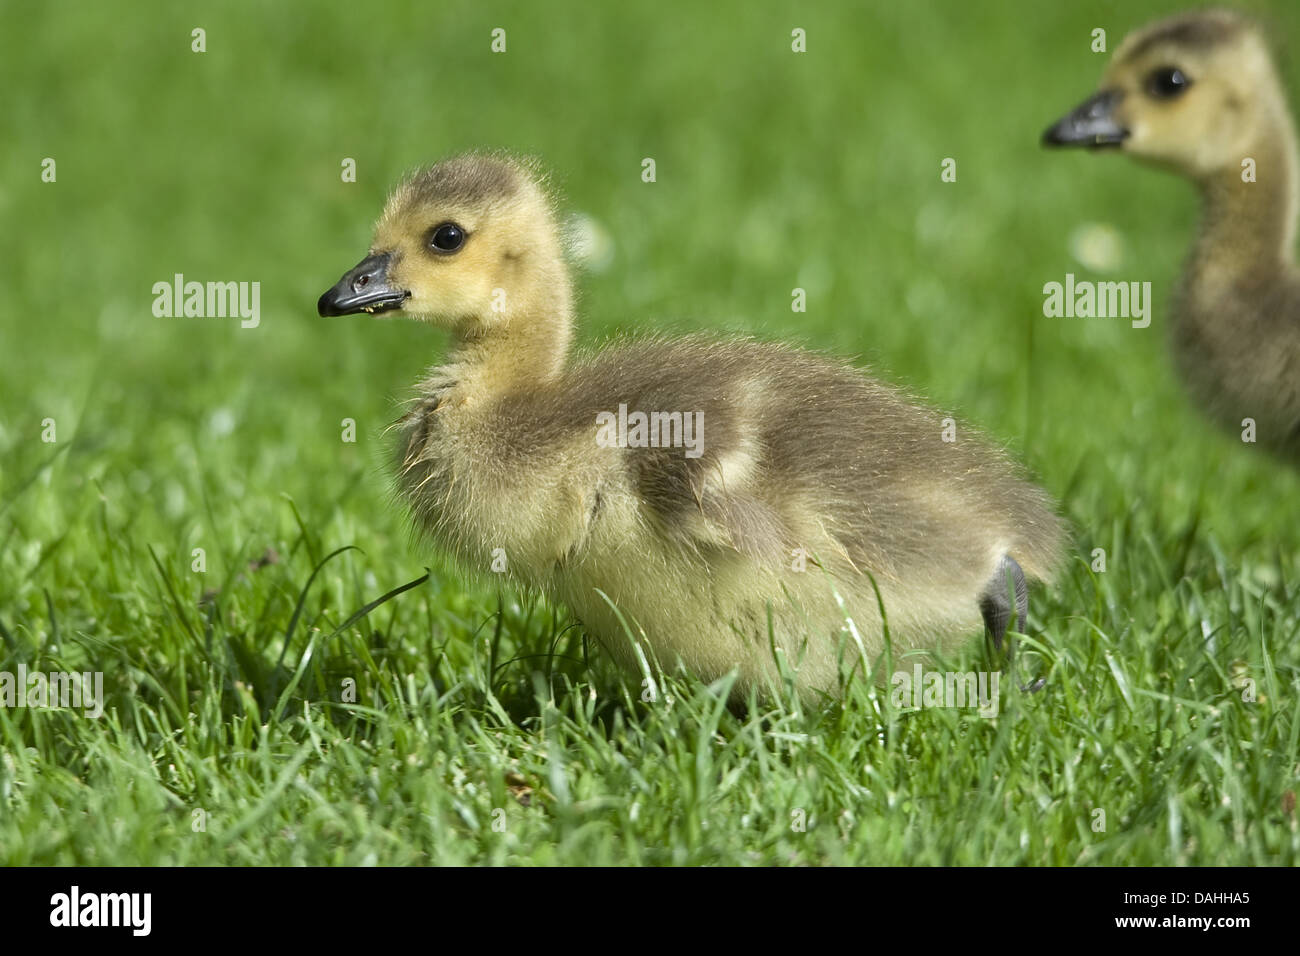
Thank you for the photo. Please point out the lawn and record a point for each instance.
(179, 509)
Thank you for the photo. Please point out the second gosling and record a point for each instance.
(1199, 94)
(782, 483)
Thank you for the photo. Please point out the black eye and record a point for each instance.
(1167, 82)
(447, 238)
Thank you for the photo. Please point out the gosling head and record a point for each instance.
(1194, 93)
(470, 243)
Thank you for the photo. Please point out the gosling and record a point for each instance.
(1198, 94)
(719, 503)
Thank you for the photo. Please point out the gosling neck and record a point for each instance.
(1248, 228)
(522, 346)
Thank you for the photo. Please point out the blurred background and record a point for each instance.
(775, 170)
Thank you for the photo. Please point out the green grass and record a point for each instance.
(775, 170)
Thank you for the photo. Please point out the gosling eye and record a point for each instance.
(446, 238)
(1167, 82)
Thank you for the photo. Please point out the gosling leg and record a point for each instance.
(1007, 583)
(995, 602)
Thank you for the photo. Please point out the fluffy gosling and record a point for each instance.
(745, 517)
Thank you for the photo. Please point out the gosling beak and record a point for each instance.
(1092, 123)
(363, 288)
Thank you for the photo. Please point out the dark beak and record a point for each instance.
(1092, 123)
(363, 288)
